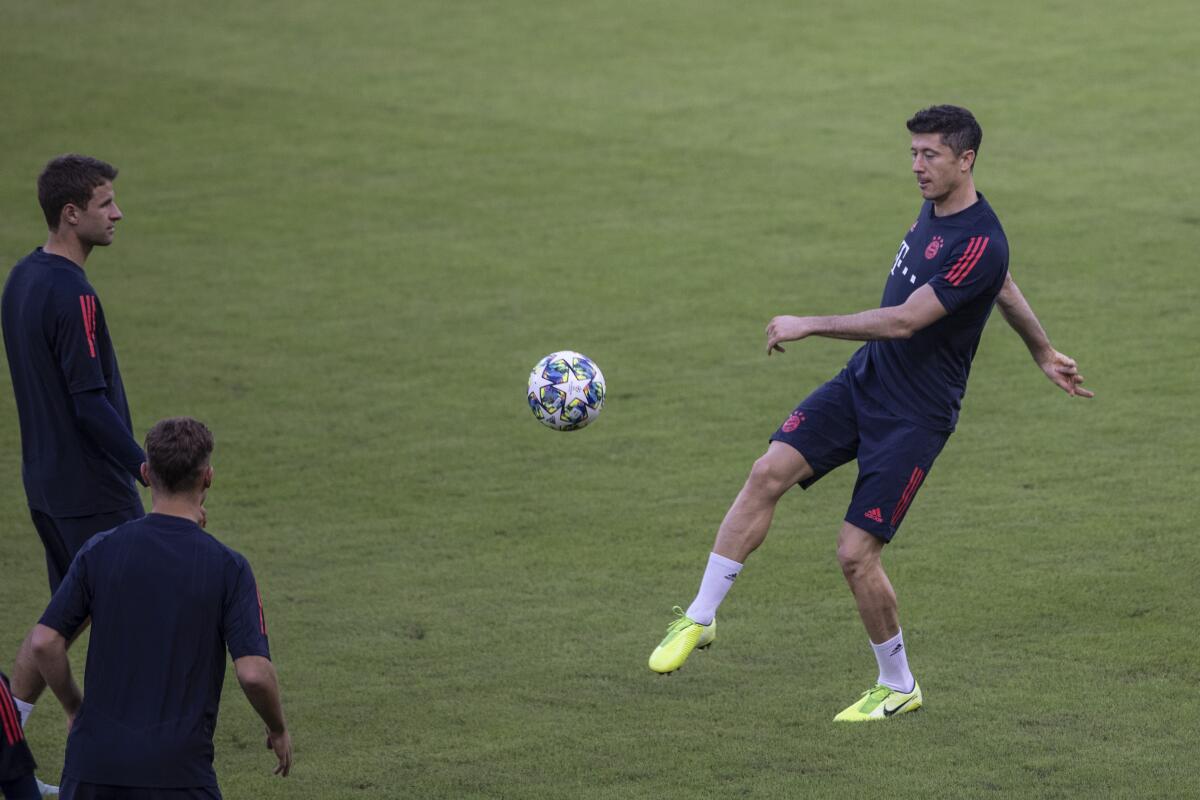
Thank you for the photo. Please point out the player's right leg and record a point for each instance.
(744, 528)
(820, 435)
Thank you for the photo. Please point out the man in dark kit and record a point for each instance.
(79, 458)
(892, 408)
(166, 600)
(16, 760)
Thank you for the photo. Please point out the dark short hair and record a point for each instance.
(957, 126)
(177, 452)
(71, 179)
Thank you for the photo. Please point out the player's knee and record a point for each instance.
(855, 559)
(767, 478)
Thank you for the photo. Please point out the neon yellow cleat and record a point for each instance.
(683, 636)
(881, 702)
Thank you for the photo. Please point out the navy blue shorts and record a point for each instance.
(62, 537)
(77, 790)
(838, 423)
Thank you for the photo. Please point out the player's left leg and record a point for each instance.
(895, 690)
(893, 459)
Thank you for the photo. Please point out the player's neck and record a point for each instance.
(67, 246)
(185, 506)
(962, 197)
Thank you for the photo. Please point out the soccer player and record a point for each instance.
(79, 458)
(166, 600)
(16, 761)
(892, 408)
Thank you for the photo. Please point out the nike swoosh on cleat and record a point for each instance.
(887, 713)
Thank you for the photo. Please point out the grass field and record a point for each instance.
(352, 228)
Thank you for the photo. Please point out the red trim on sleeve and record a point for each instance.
(955, 278)
(87, 305)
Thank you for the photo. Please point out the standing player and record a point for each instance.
(166, 600)
(79, 459)
(893, 406)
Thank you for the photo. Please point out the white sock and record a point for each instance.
(24, 709)
(893, 664)
(719, 576)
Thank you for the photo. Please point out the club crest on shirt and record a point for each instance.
(793, 421)
(935, 244)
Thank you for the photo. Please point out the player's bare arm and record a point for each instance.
(1059, 368)
(921, 310)
(50, 655)
(261, 685)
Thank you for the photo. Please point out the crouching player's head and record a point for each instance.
(177, 459)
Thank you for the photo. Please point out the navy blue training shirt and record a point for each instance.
(166, 600)
(964, 258)
(58, 347)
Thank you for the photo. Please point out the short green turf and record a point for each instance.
(353, 227)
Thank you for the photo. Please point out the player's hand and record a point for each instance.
(1063, 372)
(281, 744)
(785, 329)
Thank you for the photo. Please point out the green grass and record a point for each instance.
(351, 230)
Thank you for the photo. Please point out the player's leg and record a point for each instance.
(816, 438)
(896, 690)
(741, 532)
(894, 458)
(749, 518)
(859, 554)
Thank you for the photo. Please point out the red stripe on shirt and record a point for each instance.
(262, 619)
(963, 259)
(8, 715)
(914, 483)
(87, 324)
(974, 260)
(92, 304)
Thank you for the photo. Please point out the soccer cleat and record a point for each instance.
(881, 702)
(45, 789)
(683, 636)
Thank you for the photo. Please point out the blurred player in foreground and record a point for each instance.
(166, 600)
(16, 760)
(79, 458)
(892, 408)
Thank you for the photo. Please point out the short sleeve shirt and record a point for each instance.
(57, 344)
(166, 601)
(964, 259)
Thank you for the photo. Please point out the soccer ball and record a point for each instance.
(566, 390)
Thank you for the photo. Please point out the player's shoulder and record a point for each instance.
(979, 228)
(44, 273)
(231, 560)
(101, 544)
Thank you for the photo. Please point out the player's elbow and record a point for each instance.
(902, 327)
(46, 643)
(254, 673)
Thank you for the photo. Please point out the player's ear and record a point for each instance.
(145, 472)
(69, 214)
(967, 160)
(208, 475)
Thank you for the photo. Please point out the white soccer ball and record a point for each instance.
(566, 390)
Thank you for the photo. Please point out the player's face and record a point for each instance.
(939, 171)
(96, 224)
